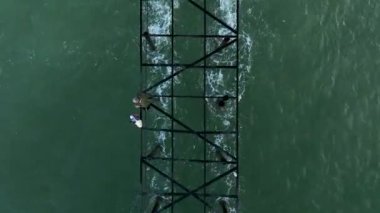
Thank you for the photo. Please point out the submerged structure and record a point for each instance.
(189, 59)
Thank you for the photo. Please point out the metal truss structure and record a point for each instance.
(189, 168)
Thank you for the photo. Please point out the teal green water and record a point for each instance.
(65, 88)
(313, 108)
(309, 114)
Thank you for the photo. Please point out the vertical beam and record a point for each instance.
(198, 188)
(204, 101)
(237, 105)
(194, 132)
(189, 65)
(141, 86)
(172, 104)
(234, 154)
(189, 192)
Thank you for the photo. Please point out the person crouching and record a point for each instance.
(143, 101)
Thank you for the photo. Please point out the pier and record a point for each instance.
(191, 165)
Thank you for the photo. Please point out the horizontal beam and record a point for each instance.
(189, 160)
(188, 131)
(206, 140)
(231, 196)
(213, 16)
(190, 96)
(192, 35)
(175, 182)
(189, 66)
(198, 188)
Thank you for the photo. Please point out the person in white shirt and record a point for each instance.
(135, 119)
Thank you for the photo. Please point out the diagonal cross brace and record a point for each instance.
(199, 188)
(190, 65)
(194, 132)
(212, 16)
(176, 182)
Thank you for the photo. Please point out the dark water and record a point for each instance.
(313, 108)
(65, 87)
(309, 115)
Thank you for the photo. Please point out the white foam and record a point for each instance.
(176, 4)
(228, 11)
(217, 79)
(160, 23)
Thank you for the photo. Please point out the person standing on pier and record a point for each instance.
(143, 100)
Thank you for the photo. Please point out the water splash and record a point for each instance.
(159, 23)
(217, 79)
